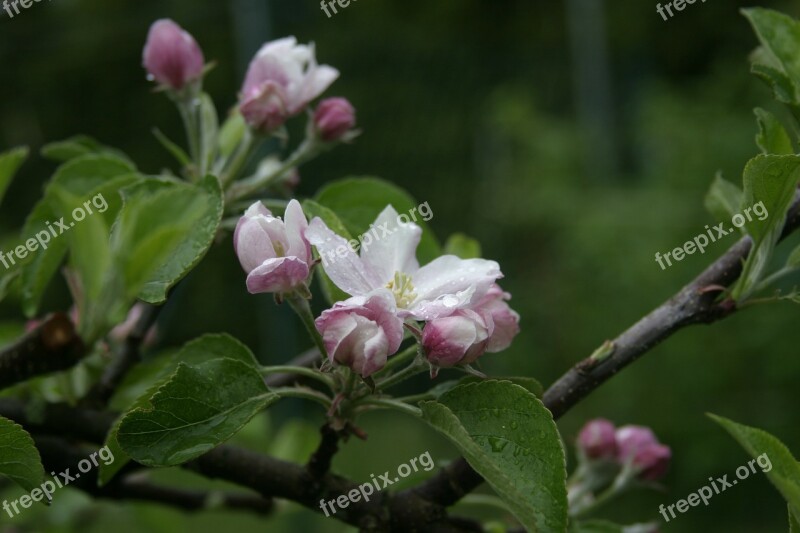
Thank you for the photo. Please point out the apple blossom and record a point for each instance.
(638, 446)
(435, 290)
(274, 252)
(171, 55)
(362, 332)
(597, 439)
(282, 79)
(334, 118)
(456, 339)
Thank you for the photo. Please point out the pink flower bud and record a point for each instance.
(597, 439)
(362, 332)
(281, 81)
(503, 321)
(334, 118)
(171, 55)
(639, 446)
(274, 252)
(457, 339)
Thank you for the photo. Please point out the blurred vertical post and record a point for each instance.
(592, 87)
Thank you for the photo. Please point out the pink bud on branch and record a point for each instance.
(171, 55)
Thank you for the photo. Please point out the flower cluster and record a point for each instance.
(633, 446)
(464, 310)
(611, 461)
(282, 80)
(452, 306)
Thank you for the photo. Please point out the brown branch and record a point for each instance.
(58, 455)
(320, 462)
(52, 346)
(270, 477)
(691, 305)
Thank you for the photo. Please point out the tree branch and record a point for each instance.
(52, 346)
(272, 478)
(58, 455)
(691, 305)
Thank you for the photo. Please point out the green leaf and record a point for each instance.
(780, 38)
(785, 470)
(81, 178)
(782, 87)
(794, 522)
(195, 244)
(232, 133)
(724, 199)
(10, 162)
(196, 352)
(19, 458)
(358, 202)
(78, 146)
(509, 437)
(462, 246)
(198, 409)
(314, 209)
(531, 385)
(164, 230)
(770, 181)
(772, 137)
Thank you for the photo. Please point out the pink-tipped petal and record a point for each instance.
(278, 275)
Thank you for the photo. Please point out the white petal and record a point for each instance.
(340, 262)
(449, 283)
(296, 226)
(395, 252)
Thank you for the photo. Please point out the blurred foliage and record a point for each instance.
(468, 104)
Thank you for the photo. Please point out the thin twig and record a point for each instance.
(128, 356)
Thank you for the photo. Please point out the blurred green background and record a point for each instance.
(575, 139)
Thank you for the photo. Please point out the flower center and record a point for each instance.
(403, 289)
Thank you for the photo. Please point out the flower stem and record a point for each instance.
(188, 114)
(303, 393)
(381, 403)
(403, 357)
(304, 153)
(416, 367)
(243, 153)
(301, 306)
(300, 371)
